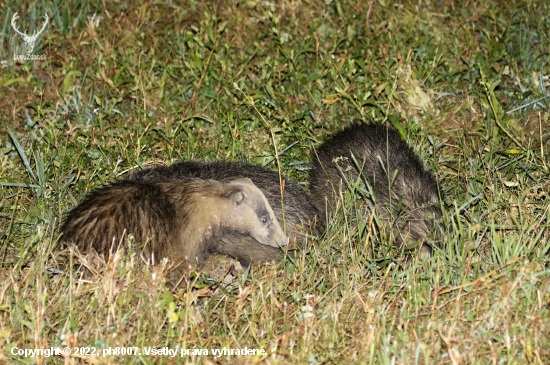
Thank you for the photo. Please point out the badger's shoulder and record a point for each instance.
(375, 147)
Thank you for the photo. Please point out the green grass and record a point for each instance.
(146, 84)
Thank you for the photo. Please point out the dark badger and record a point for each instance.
(402, 187)
(184, 220)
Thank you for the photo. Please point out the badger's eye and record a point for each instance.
(264, 220)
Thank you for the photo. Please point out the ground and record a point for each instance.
(130, 84)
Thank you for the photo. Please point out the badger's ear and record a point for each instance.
(238, 197)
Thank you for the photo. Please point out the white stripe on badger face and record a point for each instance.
(255, 216)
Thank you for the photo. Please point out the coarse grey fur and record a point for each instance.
(181, 220)
(300, 213)
(380, 152)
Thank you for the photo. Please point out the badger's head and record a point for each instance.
(251, 214)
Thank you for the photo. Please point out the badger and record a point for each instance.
(182, 220)
(296, 211)
(402, 189)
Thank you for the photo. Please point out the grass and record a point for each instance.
(131, 84)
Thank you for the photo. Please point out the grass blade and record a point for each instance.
(21, 185)
(21, 152)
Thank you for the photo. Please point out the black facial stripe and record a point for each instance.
(261, 212)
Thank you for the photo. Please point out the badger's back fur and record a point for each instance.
(411, 198)
(300, 213)
(182, 220)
